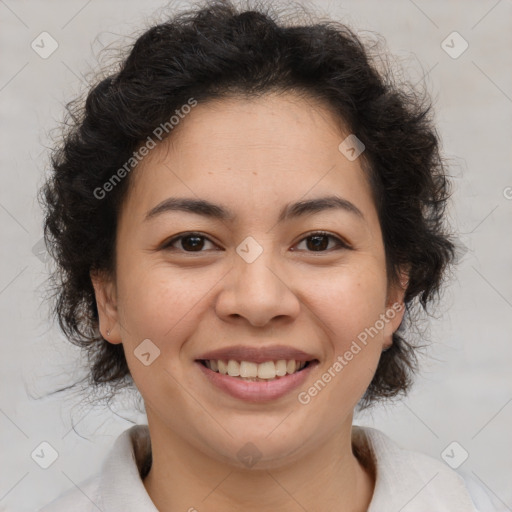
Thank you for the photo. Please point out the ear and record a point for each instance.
(106, 302)
(395, 307)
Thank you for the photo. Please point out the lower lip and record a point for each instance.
(257, 391)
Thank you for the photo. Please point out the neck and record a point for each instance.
(330, 478)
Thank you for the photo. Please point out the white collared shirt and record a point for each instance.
(405, 480)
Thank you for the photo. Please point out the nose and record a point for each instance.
(257, 291)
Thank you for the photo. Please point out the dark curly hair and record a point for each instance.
(212, 51)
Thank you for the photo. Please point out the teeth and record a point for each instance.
(233, 368)
(253, 371)
(223, 367)
(266, 370)
(281, 368)
(248, 369)
(291, 366)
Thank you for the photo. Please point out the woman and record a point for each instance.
(244, 218)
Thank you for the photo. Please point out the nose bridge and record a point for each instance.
(258, 290)
(255, 261)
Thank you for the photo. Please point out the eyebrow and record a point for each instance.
(216, 211)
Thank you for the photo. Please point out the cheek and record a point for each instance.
(349, 303)
(349, 300)
(158, 302)
(355, 302)
(352, 356)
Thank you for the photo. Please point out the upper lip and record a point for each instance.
(257, 354)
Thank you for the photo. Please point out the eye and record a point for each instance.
(320, 241)
(190, 242)
(195, 242)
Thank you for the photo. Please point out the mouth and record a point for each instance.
(250, 371)
(256, 374)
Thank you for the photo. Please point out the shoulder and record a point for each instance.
(413, 481)
(85, 497)
(118, 486)
(484, 500)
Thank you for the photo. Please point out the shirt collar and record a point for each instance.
(408, 480)
(121, 486)
(405, 480)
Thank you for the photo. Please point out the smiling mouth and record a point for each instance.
(255, 372)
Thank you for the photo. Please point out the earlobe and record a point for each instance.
(394, 315)
(106, 302)
(395, 308)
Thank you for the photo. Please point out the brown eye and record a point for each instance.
(195, 242)
(190, 242)
(319, 242)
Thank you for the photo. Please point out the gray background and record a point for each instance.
(464, 393)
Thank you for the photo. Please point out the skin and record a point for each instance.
(252, 156)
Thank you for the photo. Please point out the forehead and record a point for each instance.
(278, 148)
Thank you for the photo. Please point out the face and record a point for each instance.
(255, 285)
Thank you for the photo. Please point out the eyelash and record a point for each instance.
(340, 243)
